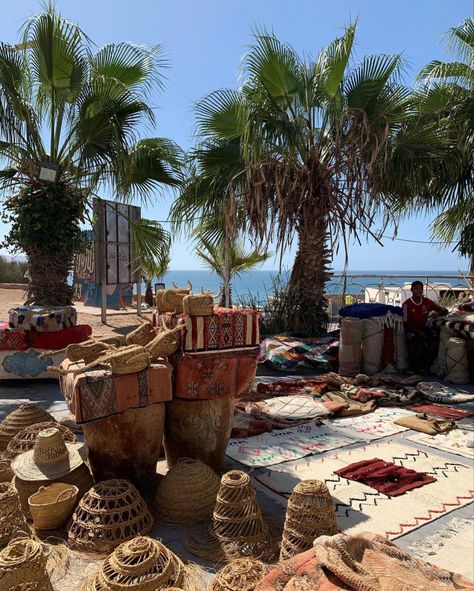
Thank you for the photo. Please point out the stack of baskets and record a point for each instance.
(22, 417)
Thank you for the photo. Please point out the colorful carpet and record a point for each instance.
(439, 410)
(286, 445)
(361, 508)
(375, 425)
(453, 441)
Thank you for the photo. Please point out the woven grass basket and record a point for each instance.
(11, 517)
(201, 304)
(141, 335)
(80, 477)
(242, 574)
(187, 493)
(165, 343)
(112, 512)
(140, 564)
(52, 505)
(237, 520)
(6, 473)
(23, 566)
(309, 514)
(22, 417)
(87, 351)
(25, 439)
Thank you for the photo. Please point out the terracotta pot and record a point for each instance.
(198, 429)
(126, 445)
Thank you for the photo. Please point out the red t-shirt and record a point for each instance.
(416, 315)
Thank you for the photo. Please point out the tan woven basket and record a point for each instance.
(237, 520)
(160, 304)
(198, 305)
(25, 439)
(22, 417)
(242, 574)
(140, 564)
(23, 566)
(112, 512)
(6, 473)
(11, 517)
(52, 505)
(141, 335)
(309, 514)
(80, 477)
(172, 299)
(187, 493)
(165, 343)
(88, 351)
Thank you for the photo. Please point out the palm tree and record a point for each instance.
(228, 260)
(76, 113)
(300, 151)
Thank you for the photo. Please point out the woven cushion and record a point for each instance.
(61, 339)
(12, 339)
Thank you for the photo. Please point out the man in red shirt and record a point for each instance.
(422, 341)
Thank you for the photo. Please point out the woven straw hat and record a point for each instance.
(24, 416)
(25, 439)
(50, 459)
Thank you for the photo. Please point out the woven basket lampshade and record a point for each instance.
(24, 416)
(23, 566)
(309, 514)
(25, 439)
(187, 493)
(11, 517)
(140, 564)
(6, 472)
(112, 512)
(242, 574)
(237, 520)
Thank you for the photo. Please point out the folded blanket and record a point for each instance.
(61, 339)
(12, 339)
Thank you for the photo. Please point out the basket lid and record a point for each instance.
(50, 459)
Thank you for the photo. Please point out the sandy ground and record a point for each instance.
(117, 322)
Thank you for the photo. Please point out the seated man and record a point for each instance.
(422, 341)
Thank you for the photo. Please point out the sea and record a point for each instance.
(258, 286)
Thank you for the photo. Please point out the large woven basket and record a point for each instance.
(140, 564)
(23, 566)
(112, 512)
(309, 514)
(141, 335)
(187, 493)
(24, 416)
(237, 520)
(11, 517)
(52, 505)
(25, 439)
(80, 477)
(198, 305)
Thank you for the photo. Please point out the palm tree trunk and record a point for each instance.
(309, 275)
(48, 276)
(148, 294)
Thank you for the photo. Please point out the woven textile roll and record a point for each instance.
(237, 519)
(350, 346)
(445, 334)
(372, 346)
(23, 566)
(456, 361)
(309, 514)
(11, 517)
(242, 574)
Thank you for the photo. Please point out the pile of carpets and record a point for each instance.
(291, 353)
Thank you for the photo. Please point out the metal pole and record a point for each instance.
(139, 293)
(103, 261)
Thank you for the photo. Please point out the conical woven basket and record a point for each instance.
(140, 564)
(6, 473)
(23, 566)
(237, 520)
(112, 512)
(24, 416)
(25, 439)
(187, 493)
(242, 574)
(309, 514)
(141, 335)
(80, 477)
(11, 517)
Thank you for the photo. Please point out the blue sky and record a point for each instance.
(204, 41)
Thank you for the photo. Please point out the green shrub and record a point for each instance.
(12, 271)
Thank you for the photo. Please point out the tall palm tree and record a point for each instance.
(300, 151)
(78, 113)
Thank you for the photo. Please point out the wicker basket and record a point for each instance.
(52, 505)
(160, 304)
(23, 566)
(141, 564)
(24, 416)
(237, 520)
(11, 517)
(172, 299)
(241, 574)
(111, 512)
(198, 305)
(88, 351)
(309, 514)
(141, 335)
(165, 343)
(6, 473)
(25, 439)
(187, 493)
